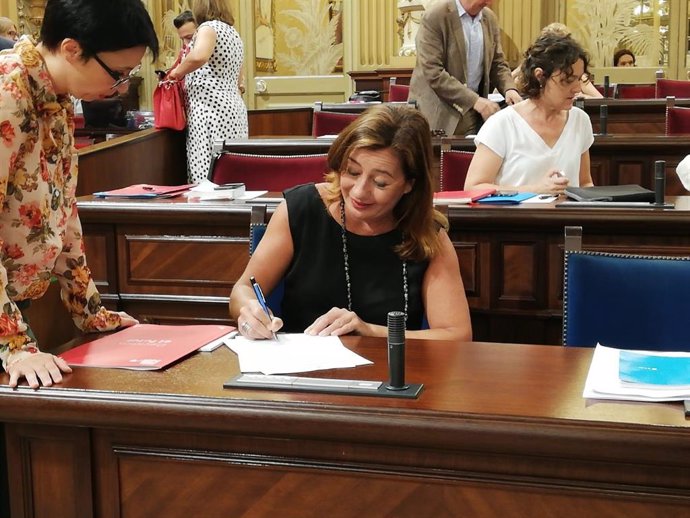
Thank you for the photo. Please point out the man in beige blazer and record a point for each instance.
(440, 77)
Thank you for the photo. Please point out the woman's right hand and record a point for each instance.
(43, 367)
(254, 323)
(553, 182)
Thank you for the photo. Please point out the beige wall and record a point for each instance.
(370, 41)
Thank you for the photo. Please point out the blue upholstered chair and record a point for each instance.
(624, 301)
(257, 229)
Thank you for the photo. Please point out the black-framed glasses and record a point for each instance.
(119, 77)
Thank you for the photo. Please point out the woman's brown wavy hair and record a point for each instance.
(205, 10)
(405, 131)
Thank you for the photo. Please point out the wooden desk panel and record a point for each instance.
(148, 156)
(499, 430)
(177, 261)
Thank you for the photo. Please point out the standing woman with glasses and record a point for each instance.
(212, 72)
(88, 49)
(541, 144)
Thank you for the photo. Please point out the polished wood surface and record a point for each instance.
(499, 430)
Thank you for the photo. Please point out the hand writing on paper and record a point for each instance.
(255, 324)
(338, 321)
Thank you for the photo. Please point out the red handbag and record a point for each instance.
(168, 105)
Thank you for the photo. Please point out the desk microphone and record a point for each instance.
(396, 350)
(603, 119)
(659, 182)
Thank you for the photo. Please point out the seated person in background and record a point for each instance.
(88, 49)
(624, 58)
(365, 242)
(589, 91)
(541, 144)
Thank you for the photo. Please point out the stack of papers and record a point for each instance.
(209, 191)
(294, 353)
(638, 375)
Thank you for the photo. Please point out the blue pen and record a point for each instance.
(262, 300)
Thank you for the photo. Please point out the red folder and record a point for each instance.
(461, 197)
(145, 190)
(144, 346)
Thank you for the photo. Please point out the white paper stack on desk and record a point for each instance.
(294, 353)
(209, 191)
(604, 378)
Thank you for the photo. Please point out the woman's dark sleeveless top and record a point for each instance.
(315, 280)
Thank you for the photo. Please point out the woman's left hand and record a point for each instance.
(338, 321)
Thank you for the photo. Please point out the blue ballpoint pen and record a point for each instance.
(262, 300)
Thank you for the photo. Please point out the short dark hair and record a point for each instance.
(552, 53)
(620, 53)
(183, 18)
(98, 26)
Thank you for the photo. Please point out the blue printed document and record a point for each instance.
(507, 199)
(604, 379)
(653, 369)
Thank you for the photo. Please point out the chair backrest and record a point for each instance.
(674, 87)
(330, 123)
(257, 229)
(635, 91)
(626, 301)
(453, 169)
(398, 93)
(677, 121)
(267, 172)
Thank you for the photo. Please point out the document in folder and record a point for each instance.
(144, 346)
(144, 190)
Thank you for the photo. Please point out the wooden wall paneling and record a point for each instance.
(178, 309)
(55, 467)
(292, 122)
(519, 278)
(152, 156)
(183, 264)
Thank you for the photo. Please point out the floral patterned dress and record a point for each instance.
(40, 231)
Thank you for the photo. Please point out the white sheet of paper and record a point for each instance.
(541, 198)
(603, 381)
(294, 353)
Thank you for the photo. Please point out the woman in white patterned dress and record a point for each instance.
(212, 72)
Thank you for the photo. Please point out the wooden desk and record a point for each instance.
(499, 430)
(616, 159)
(631, 116)
(170, 261)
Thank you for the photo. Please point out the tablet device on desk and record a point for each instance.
(614, 204)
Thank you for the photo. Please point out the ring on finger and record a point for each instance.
(246, 327)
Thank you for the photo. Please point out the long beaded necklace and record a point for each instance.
(346, 258)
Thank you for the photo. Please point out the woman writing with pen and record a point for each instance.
(542, 143)
(365, 242)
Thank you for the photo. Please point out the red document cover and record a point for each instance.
(144, 346)
(461, 197)
(145, 190)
